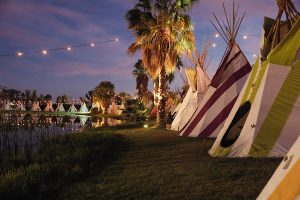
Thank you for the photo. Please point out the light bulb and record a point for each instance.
(19, 53)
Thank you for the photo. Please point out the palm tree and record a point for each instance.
(105, 91)
(141, 80)
(163, 31)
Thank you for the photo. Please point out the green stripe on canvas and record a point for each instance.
(278, 114)
(258, 81)
(251, 80)
(285, 52)
(221, 151)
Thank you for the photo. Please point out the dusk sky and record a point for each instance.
(32, 25)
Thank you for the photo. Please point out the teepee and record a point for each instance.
(72, 108)
(20, 106)
(264, 120)
(6, 105)
(35, 106)
(83, 109)
(60, 107)
(198, 82)
(225, 86)
(285, 184)
(113, 108)
(49, 107)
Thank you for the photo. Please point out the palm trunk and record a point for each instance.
(161, 114)
(156, 87)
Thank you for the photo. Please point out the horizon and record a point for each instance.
(33, 25)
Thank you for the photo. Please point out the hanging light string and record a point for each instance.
(66, 48)
(21, 53)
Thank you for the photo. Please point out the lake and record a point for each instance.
(22, 133)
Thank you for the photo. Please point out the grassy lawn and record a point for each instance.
(157, 164)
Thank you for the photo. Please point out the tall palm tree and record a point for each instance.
(105, 91)
(141, 80)
(163, 31)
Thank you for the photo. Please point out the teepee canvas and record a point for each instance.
(6, 105)
(60, 107)
(20, 106)
(285, 184)
(83, 108)
(198, 82)
(72, 108)
(225, 86)
(49, 107)
(264, 120)
(35, 106)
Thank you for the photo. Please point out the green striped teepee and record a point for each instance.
(265, 118)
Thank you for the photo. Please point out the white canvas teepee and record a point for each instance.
(60, 107)
(49, 107)
(83, 108)
(225, 86)
(264, 121)
(72, 108)
(198, 82)
(35, 106)
(20, 106)
(285, 184)
(113, 108)
(6, 105)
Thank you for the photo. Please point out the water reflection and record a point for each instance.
(75, 122)
(21, 134)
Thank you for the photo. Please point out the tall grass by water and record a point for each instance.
(39, 160)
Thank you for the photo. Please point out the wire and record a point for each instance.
(45, 51)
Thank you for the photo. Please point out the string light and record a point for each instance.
(44, 52)
(214, 45)
(245, 37)
(19, 53)
(117, 39)
(254, 55)
(92, 44)
(217, 35)
(69, 48)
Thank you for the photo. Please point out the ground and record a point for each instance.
(157, 164)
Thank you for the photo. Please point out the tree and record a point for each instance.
(64, 99)
(141, 80)
(105, 91)
(48, 97)
(163, 31)
(34, 96)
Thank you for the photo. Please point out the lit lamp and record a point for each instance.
(19, 53)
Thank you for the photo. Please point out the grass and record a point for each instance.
(59, 162)
(157, 164)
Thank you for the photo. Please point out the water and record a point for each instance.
(22, 134)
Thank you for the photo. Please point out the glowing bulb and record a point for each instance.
(217, 35)
(19, 53)
(146, 126)
(245, 37)
(117, 39)
(92, 44)
(254, 55)
(69, 48)
(214, 45)
(44, 52)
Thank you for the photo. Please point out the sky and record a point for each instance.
(35, 25)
